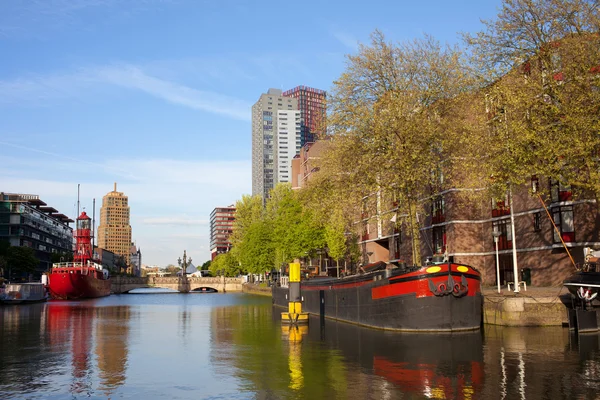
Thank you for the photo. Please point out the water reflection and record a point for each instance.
(112, 331)
(58, 340)
(446, 366)
(234, 346)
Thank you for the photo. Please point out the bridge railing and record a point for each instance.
(172, 280)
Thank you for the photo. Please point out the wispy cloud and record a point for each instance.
(41, 89)
(345, 38)
(170, 200)
(134, 78)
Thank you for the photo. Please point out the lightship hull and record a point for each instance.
(435, 298)
(72, 284)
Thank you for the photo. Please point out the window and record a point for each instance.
(563, 219)
(437, 210)
(537, 221)
(505, 239)
(560, 192)
(500, 207)
(439, 239)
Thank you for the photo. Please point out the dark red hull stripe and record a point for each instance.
(433, 275)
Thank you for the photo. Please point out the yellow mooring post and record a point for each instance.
(294, 315)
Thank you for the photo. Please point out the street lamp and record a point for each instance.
(496, 234)
(184, 264)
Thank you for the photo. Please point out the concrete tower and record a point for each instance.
(276, 129)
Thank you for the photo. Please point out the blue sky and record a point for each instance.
(172, 82)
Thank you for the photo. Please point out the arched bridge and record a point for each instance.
(120, 284)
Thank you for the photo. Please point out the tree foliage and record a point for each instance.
(543, 58)
(225, 264)
(22, 259)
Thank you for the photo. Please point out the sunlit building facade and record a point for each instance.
(221, 228)
(312, 104)
(114, 231)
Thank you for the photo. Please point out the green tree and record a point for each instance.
(336, 238)
(22, 260)
(257, 250)
(225, 264)
(390, 125)
(205, 266)
(172, 269)
(544, 111)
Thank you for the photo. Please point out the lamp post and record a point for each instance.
(184, 264)
(496, 234)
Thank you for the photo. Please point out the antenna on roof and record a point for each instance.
(77, 216)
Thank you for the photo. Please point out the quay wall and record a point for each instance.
(524, 311)
(252, 288)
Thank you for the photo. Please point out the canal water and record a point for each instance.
(232, 346)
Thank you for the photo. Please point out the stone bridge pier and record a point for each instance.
(122, 284)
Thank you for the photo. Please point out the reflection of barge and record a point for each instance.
(446, 365)
(437, 297)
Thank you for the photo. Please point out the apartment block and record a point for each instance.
(276, 139)
(114, 230)
(312, 104)
(221, 228)
(26, 220)
(305, 164)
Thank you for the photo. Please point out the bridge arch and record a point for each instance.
(120, 284)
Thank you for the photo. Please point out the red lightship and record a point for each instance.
(83, 278)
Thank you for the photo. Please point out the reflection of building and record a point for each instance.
(112, 331)
(221, 227)
(276, 140)
(135, 259)
(312, 104)
(114, 231)
(27, 221)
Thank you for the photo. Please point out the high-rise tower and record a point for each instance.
(276, 128)
(221, 228)
(312, 104)
(114, 231)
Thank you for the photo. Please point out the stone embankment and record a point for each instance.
(255, 288)
(536, 306)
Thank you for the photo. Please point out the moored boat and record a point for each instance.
(83, 278)
(441, 297)
(23, 293)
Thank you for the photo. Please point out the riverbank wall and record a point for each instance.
(254, 288)
(536, 306)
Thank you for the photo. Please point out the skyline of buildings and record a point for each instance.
(114, 229)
